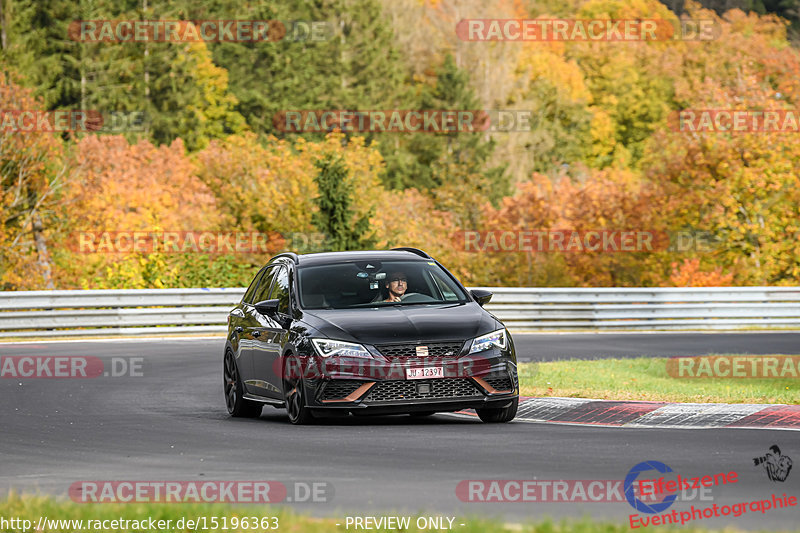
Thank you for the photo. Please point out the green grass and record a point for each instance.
(646, 378)
(32, 507)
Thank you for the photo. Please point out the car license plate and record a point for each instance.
(425, 372)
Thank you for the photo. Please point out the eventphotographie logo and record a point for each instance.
(776, 464)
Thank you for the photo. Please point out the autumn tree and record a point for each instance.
(688, 273)
(604, 202)
(124, 188)
(740, 186)
(32, 171)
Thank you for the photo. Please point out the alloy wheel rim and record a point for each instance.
(230, 382)
(293, 399)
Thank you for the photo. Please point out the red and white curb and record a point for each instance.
(611, 413)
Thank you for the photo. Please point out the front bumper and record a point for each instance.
(443, 406)
(379, 385)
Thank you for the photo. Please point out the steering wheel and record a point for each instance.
(414, 297)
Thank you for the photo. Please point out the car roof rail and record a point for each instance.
(413, 251)
(290, 255)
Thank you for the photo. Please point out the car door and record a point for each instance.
(238, 321)
(252, 325)
(271, 339)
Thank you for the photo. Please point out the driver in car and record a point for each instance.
(397, 283)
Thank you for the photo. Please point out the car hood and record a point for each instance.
(397, 324)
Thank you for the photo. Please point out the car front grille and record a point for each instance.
(435, 349)
(338, 389)
(388, 391)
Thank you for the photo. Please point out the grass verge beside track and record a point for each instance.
(646, 378)
(33, 507)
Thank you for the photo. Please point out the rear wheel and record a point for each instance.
(494, 415)
(234, 392)
(294, 392)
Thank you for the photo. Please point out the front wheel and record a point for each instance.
(294, 393)
(494, 415)
(234, 392)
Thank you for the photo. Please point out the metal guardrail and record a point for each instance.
(157, 311)
(670, 308)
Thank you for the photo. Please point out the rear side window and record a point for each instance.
(262, 293)
(280, 291)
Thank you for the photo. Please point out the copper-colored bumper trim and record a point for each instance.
(489, 388)
(355, 395)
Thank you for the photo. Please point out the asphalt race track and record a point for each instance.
(170, 424)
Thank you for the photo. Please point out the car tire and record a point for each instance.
(294, 393)
(234, 391)
(495, 415)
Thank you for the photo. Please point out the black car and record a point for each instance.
(372, 332)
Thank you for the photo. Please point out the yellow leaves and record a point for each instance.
(602, 130)
(270, 186)
(627, 9)
(540, 60)
(212, 109)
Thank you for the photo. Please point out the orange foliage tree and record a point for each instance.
(689, 274)
(122, 187)
(606, 201)
(31, 172)
(743, 187)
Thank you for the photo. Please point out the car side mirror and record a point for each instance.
(481, 296)
(267, 307)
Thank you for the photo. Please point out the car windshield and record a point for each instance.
(376, 284)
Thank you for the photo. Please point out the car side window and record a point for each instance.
(262, 293)
(280, 291)
(248, 295)
(446, 293)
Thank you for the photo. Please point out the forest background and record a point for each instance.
(600, 153)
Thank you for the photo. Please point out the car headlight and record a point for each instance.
(489, 341)
(329, 348)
